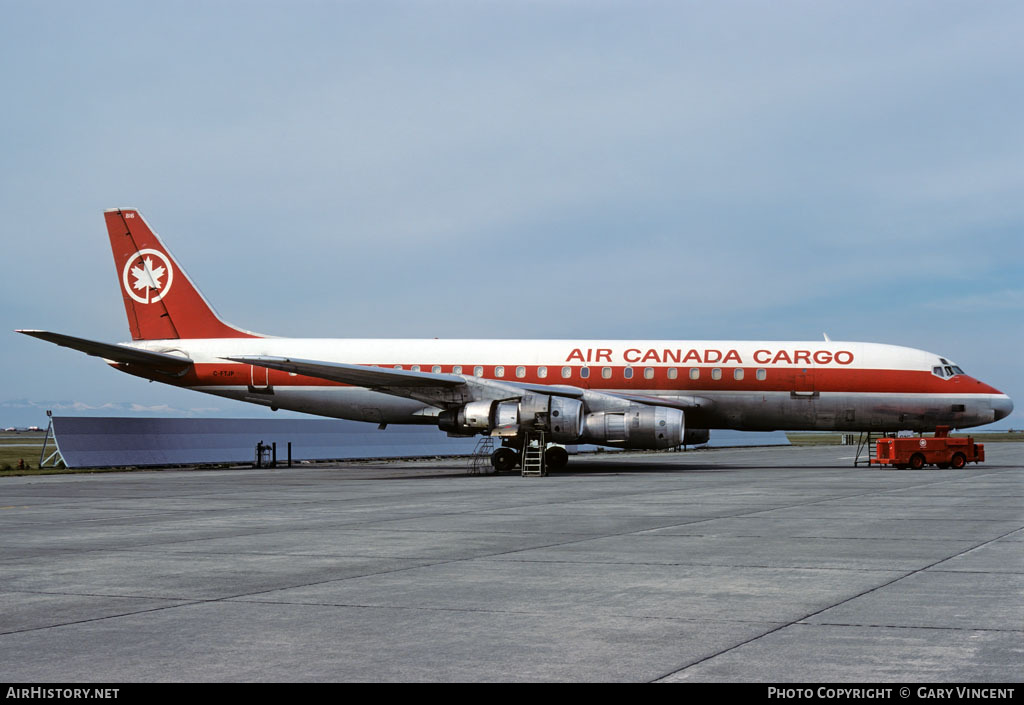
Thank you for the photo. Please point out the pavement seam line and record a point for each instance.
(803, 619)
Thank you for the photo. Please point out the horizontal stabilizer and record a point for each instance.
(172, 364)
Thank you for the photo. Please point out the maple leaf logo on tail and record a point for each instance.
(152, 273)
(147, 276)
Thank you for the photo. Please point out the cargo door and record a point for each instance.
(803, 381)
(803, 398)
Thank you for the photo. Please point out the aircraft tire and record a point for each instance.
(556, 458)
(504, 459)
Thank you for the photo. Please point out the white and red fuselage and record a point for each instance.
(473, 386)
(752, 385)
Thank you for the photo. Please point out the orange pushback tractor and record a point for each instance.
(941, 450)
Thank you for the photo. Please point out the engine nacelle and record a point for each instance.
(639, 427)
(560, 417)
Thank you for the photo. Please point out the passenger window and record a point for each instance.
(628, 373)
(415, 368)
(648, 373)
(566, 372)
(737, 373)
(606, 372)
(435, 368)
(762, 374)
(672, 372)
(478, 371)
(542, 372)
(716, 373)
(584, 372)
(520, 372)
(398, 367)
(457, 370)
(499, 371)
(694, 373)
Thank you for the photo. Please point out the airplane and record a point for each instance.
(630, 394)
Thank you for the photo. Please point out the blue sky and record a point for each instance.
(530, 169)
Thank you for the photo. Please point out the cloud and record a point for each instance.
(551, 169)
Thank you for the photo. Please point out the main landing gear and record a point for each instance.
(506, 458)
(556, 458)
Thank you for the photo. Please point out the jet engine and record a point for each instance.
(638, 427)
(560, 417)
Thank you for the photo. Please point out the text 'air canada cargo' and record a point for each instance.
(639, 394)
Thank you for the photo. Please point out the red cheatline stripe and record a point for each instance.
(776, 379)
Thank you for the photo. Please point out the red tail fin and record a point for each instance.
(159, 298)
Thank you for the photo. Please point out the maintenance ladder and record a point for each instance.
(532, 457)
(480, 461)
(867, 446)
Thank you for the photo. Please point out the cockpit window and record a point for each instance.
(949, 371)
(937, 371)
(957, 370)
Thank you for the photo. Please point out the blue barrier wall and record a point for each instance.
(126, 441)
(115, 442)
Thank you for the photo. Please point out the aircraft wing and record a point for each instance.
(377, 378)
(170, 364)
(441, 390)
(450, 389)
(674, 402)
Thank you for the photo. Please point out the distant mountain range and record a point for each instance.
(22, 413)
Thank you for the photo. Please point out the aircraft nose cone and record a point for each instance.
(1003, 406)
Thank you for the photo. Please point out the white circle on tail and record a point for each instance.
(147, 276)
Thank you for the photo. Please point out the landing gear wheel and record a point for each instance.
(504, 459)
(556, 458)
(959, 461)
(916, 461)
